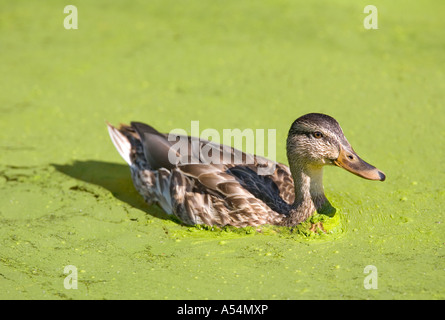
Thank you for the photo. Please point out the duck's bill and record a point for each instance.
(353, 163)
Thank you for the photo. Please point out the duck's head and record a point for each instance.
(316, 140)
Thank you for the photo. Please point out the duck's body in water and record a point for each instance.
(234, 192)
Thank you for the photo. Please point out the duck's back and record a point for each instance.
(199, 191)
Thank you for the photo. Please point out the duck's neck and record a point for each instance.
(309, 193)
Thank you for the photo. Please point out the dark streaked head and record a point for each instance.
(317, 139)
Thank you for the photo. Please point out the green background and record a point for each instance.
(66, 196)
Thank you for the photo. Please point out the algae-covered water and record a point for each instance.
(66, 196)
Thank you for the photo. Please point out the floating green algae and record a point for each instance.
(66, 197)
(330, 226)
(328, 216)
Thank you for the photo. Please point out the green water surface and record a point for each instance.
(66, 196)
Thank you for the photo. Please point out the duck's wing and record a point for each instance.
(231, 192)
(282, 177)
(157, 147)
(219, 194)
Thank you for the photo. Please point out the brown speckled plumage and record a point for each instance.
(235, 194)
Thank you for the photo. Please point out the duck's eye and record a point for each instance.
(318, 135)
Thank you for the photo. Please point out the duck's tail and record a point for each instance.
(121, 143)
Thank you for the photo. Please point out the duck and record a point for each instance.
(239, 193)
